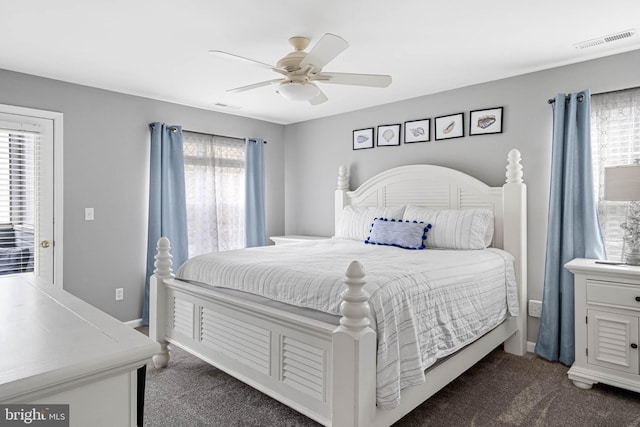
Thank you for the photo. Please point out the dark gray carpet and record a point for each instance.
(501, 390)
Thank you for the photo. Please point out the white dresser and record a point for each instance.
(607, 321)
(57, 349)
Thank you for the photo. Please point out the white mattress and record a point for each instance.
(425, 304)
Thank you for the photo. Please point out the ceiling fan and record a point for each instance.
(300, 70)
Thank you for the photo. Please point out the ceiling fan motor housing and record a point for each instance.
(291, 62)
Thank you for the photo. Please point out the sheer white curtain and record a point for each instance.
(214, 168)
(615, 139)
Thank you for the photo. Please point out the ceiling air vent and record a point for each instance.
(606, 39)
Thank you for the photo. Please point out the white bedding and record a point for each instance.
(426, 304)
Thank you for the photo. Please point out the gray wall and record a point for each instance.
(106, 162)
(106, 166)
(315, 149)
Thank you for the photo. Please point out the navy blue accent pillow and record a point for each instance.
(403, 234)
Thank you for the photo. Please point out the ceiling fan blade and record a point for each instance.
(370, 80)
(254, 86)
(250, 61)
(327, 48)
(318, 99)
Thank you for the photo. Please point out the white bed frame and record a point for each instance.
(328, 372)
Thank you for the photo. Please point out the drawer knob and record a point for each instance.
(634, 345)
(638, 299)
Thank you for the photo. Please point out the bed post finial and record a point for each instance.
(163, 259)
(514, 168)
(354, 306)
(343, 178)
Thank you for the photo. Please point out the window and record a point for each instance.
(615, 141)
(214, 182)
(18, 157)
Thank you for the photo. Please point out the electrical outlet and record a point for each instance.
(119, 294)
(535, 308)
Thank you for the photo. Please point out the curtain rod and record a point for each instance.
(551, 101)
(580, 98)
(173, 129)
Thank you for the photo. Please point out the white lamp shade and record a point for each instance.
(298, 91)
(622, 183)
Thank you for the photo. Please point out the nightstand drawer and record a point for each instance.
(620, 294)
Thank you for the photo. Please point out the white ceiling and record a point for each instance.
(159, 48)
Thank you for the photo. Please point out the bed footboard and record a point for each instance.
(318, 369)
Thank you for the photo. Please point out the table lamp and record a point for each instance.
(622, 183)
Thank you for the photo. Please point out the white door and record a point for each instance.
(27, 195)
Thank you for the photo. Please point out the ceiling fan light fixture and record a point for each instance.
(298, 91)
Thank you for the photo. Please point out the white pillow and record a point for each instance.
(356, 220)
(455, 229)
(403, 234)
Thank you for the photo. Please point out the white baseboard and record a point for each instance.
(531, 347)
(134, 323)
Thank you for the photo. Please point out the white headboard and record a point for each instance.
(438, 187)
(435, 187)
(430, 186)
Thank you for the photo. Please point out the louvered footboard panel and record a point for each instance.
(289, 359)
(249, 343)
(304, 367)
(183, 316)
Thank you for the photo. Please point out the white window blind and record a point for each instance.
(214, 184)
(615, 141)
(19, 158)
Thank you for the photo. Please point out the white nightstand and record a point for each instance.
(607, 321)
(280, 240)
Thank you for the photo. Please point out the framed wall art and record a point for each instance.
(388, 135)
(417, 130)
(362, 138)
(482, 122)
(451, 126)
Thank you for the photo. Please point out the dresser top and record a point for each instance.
(48, 336)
